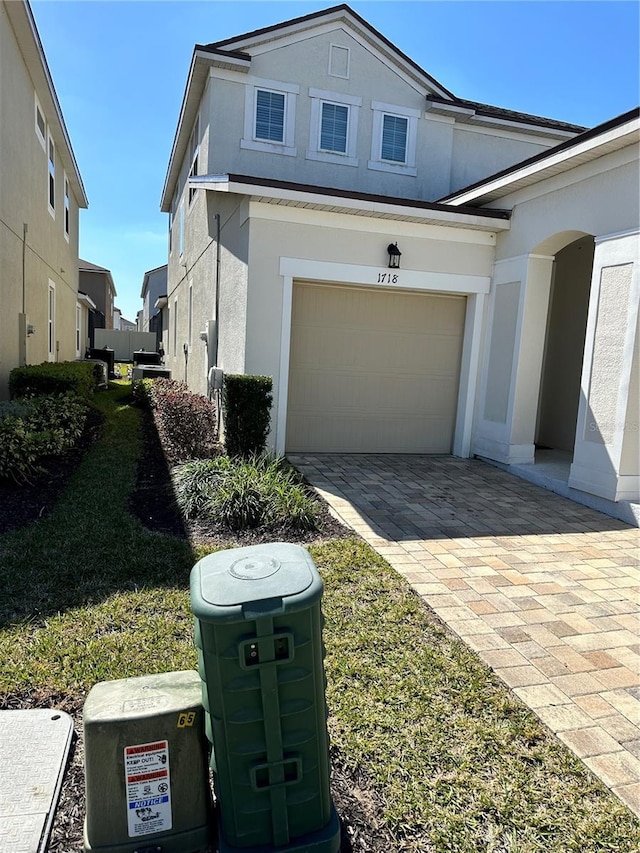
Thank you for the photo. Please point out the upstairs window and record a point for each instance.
(394, 137)
(67, 208)
(194, 153)
(269, 117)
(41, 126)
(333, 130)
(52, 176)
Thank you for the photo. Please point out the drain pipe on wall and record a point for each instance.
(215, 349)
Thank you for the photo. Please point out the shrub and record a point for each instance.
(78, 377)
(43, 426)
(245, 493)
(186, 422)
(246, 402)
(141, 390)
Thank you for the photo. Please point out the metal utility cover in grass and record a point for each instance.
(34, 745)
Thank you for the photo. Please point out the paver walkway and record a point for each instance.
(544, 590)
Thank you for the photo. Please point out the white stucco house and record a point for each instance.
(304, 153)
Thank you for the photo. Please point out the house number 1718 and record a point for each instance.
(387, 278)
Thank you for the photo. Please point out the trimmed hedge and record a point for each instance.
(186, 422)
(246, 402)
(33, 429)
(50, 378)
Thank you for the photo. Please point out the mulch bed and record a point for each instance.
(151, 502)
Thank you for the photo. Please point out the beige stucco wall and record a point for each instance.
(348, 243)
(23, 199)
(597, 198)
(445, 156)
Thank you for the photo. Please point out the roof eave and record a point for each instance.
(359, 203)
(26, 32)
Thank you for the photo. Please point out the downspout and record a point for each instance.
(25, 230)
(215, 349)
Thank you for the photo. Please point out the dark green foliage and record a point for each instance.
(141, 391)
(245, 493)
(33, 429)
(186, 422)
(78, 377)
(246, 403)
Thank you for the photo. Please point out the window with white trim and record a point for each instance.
(41, 125)
(333, 129)
(78, 329)
(51, 322)
(190, 316)
(175, 327)
(269, 117)
(181, 230)
(67, 208)
(194, 153)
(393, 140)
(172, 218)
(51, 156)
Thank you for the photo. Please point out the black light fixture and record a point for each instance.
(394, 256)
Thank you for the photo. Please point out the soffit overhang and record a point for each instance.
(360, 204)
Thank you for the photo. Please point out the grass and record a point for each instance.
(445, 756)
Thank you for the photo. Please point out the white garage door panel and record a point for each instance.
(373, 371)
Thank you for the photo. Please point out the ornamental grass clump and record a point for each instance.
(239, 494)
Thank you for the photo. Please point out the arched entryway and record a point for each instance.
(564, 351)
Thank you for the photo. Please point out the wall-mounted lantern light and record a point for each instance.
(394, 256)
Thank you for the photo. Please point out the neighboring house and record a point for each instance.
(41, 192)
(85, 311)
(306, 155)
(154, 285)
(127, 325)
(98, 284)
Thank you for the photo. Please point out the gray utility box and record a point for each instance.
(258, 630)
(146, 772)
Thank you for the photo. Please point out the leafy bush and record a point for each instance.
(77, 377)
(245, 493)
(141, 390)
(43, 426)
(246, 402)
(186, 422)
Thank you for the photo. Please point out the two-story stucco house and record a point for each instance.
(417, 272)
(154, 285)
(41, 192)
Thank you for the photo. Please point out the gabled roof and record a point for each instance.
(616, 133)
(86, 266)
(26, 33)
(477, 113)
(342, 13)
(236, 52)
(148, 274)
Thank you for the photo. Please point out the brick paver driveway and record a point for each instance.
(545, 590)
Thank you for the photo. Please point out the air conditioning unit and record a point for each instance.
(151, 371)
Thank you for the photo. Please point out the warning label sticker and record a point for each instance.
(146, 770)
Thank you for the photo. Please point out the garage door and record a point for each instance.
(373, 371)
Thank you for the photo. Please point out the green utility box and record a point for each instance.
(258, 629)
(146, 774)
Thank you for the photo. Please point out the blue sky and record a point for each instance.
(120, 70)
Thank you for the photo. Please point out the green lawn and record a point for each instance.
(447, 757)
